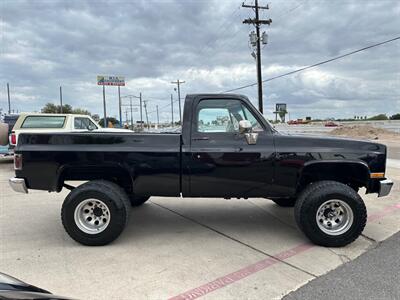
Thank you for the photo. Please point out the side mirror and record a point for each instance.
(244, 126)
(246, 129)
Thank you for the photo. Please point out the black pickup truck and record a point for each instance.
(226, 149)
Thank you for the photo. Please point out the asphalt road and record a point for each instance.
(373, 275)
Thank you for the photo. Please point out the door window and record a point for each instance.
(84, 123)
(223, 115)
(254, 123)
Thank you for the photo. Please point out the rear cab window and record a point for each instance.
(43, 122)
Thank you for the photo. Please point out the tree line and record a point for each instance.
(51, 108)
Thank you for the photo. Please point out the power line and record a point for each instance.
(161, 108)
(315, 65)
(228, 21)
(290, 10)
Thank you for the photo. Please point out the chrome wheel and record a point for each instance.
(334, 217)
(92, 216)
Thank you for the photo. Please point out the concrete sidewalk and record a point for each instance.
(177, 248)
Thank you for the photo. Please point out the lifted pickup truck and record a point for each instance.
(226, 149)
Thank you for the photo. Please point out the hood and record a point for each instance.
(332, 148)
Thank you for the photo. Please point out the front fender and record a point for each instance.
(353, 172)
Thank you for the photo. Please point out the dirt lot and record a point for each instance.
(365, 132)
(178, 248)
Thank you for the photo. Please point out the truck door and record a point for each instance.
(222, 163)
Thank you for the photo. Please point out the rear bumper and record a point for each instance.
(384, 187)
(18, 185)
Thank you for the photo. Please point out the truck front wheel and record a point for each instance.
(330, 213)
(95, 213)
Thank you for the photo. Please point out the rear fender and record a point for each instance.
(114, 173)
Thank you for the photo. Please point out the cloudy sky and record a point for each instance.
(45, 44)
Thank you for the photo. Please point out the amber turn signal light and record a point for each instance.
(377, 175)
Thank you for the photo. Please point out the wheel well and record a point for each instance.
(355, 174)
(114, 174)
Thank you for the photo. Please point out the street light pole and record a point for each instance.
(104, 105)
(120, 109)
(172, 109)
(158, 117)
(8, 95)
(61, 105)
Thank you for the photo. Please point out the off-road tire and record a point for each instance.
(138, 200)
(110, 194)
(285, 202)
(313, 196)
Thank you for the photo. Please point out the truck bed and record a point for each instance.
(145, 161)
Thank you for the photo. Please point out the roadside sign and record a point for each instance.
(280, 107)
(111, 80)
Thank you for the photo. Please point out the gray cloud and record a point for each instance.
(45, 44)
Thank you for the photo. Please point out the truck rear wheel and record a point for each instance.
(95, 213)
(138, 200)
(330, 213)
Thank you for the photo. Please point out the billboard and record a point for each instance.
(280, 107)
(111, 80)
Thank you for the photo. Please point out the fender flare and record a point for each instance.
(63, 169)
(365, 177)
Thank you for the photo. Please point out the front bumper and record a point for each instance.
(18, 185)
(384, 187)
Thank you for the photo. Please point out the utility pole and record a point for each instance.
(147, 117)
(178, 83)
(126, 117)
(8, 95)
(172, 109)
(257, 23)
(158, 117)
(131, 105)
(130, 98)
(141, 112)
(61, 105)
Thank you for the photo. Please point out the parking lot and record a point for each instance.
(179, 248)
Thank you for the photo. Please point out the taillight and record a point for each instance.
(17, 161)
(13, 138)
